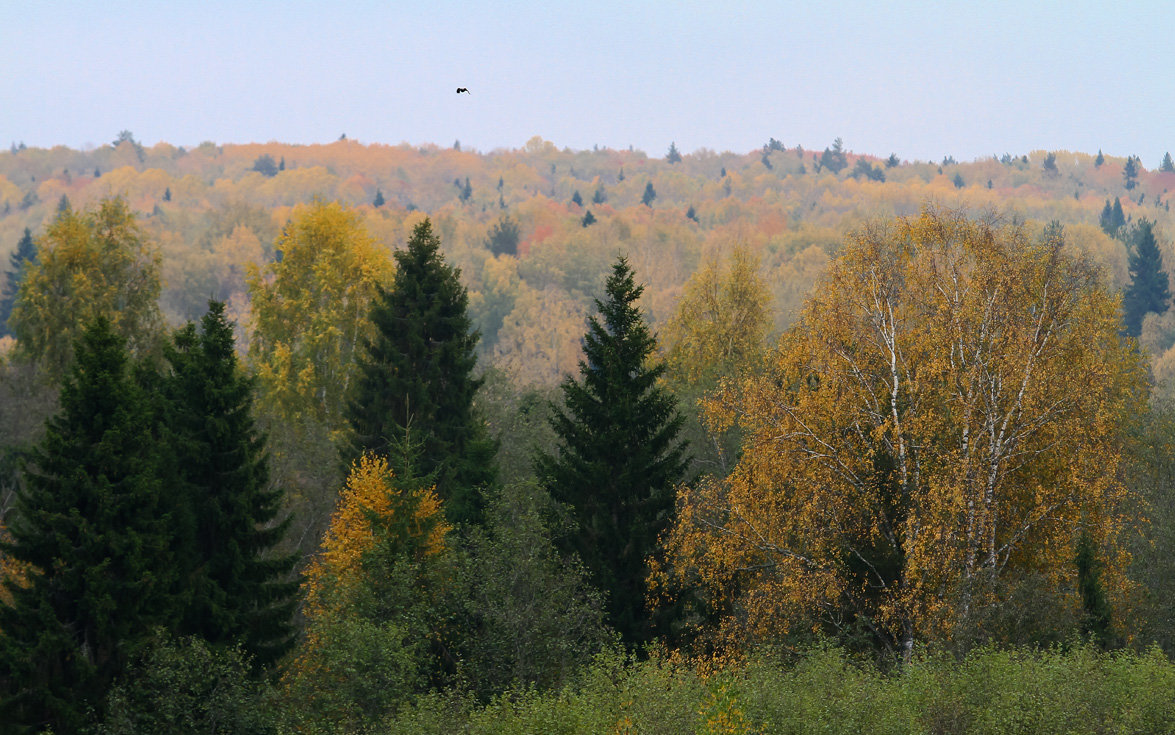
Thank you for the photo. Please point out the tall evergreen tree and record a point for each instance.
(649, 195)
(26, 253)
(417, 374)
(1097, 614)
(94, 530)
(619, 457)
(1130, 173)
(240, 591)
(1149, 288)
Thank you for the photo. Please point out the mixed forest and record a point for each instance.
(367, 438)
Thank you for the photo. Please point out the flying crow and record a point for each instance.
(462, 89)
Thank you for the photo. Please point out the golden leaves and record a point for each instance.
(941, 421)
(91, 263)
(310, 310)
(720, 323)
(373, 510)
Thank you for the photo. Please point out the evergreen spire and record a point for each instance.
(418, 372)
(1149, 289)
(26, 253)
(91, 525)
(619, 457)
(240, 592)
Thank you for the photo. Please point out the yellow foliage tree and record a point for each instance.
(721, 321)
(939, 427)
(370, 600)
(372, 511)
(718, 332)
(310, 311)
(90, 264)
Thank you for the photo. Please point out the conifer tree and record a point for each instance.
(418, 373)
(240, 591)
(1119, 217)
(1130, 173)
(93, 528)
(1097, 614)
(26, 253)
(619, 457)
(1149, 289)
(1106, 219)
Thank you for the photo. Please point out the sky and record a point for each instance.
(923, 80)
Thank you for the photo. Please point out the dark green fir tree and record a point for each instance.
(417, 375)
(92, 526)
(619, 456)
(1130, 173)
(1149, 289)
(25, 254)
(241, 592)
(1096, 612)
(649, 195)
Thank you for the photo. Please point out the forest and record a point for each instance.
(357, 438)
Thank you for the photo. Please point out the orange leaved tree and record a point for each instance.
(373, 621)
(930, 439)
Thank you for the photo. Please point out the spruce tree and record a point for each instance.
(1149, 289)
(649, 195)
(241, 593)
(1119, 217)
(1096, 612)
(1130, 173)
(417, 375)
(26, 253)
(93, 528)
(619, 457)
(1106, 219)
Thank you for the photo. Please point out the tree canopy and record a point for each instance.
(415, 377)
(619, 456)
(92, 263)
(932, 436)
(94, 529)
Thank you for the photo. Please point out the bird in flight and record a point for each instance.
(462, 89)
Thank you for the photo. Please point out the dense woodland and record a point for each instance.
(366, 438)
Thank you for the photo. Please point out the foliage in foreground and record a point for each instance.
(992, 692)
(925, 447)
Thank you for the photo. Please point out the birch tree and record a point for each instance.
(944, 421)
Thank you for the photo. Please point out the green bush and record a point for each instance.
(991, 692)
(184, 686)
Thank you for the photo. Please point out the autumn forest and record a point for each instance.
(358, 438)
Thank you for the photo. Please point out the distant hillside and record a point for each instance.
(215, 208)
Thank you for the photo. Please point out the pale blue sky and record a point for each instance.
(923, 80)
